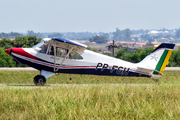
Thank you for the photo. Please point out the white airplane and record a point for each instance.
(58, 55)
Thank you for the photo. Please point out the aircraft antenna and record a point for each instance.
(64, 34)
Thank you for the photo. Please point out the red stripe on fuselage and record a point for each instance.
(22, 52)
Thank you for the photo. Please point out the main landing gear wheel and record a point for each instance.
(39, 80)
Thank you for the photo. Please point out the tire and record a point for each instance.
(39, 80)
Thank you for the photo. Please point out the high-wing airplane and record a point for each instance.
(58, 55)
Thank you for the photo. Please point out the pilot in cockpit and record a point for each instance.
(44, 48)
(52, 51)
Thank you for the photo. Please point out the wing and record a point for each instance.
(67, 44)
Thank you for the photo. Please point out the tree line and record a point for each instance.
(139, 54)
(22, 41)
(123, 53)
(173, 35)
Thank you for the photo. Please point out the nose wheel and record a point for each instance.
(39, 80)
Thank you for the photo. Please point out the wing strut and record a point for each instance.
(54, 56)
(55, 70)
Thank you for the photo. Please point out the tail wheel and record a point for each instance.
(39, 80)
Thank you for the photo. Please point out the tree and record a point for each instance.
(146, 37)
(178, 33)
(10, 35)
(5, 43)
(59, 35)
(117, 35)
(25, 41)
(134, 57)
(173, 61)
(32, 33)
(106, 35)
(99, 39)
(121, 53)
(175, 58)
(124, 35)
(127, 34)
(6, 60)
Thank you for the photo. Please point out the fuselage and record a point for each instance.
(59, 55)
(90, 63)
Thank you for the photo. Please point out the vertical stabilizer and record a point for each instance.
(158, 59)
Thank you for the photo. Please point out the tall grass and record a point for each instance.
(100, 99)
(92, 102)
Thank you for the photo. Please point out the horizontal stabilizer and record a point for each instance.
(153, 75)
(149, 70)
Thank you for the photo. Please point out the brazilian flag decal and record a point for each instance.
(164, 60)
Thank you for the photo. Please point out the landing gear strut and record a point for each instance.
(39, 80)
(156, 80)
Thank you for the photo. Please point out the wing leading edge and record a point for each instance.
(68, 44)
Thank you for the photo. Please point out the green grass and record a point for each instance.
(100, 99)
(19, 77)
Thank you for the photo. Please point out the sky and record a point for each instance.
(87, 15)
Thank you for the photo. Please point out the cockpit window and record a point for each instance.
(39, 44)
(41, 47)
(45, 48)
(60, 52)
(74, 55)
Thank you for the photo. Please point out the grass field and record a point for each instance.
(94, 97)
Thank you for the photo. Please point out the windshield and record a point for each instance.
(38, 45)
(46, 48)
(41, 47)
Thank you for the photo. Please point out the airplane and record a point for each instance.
(59, 55)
